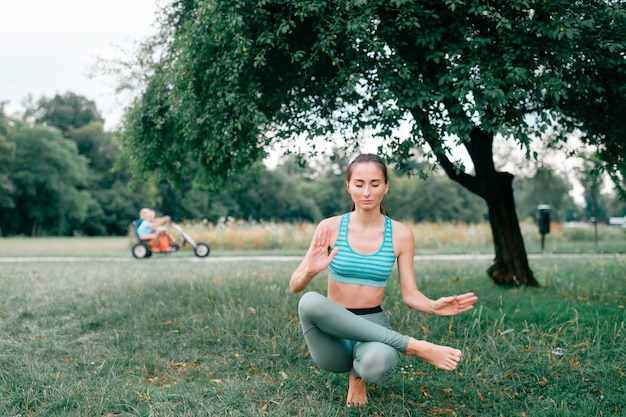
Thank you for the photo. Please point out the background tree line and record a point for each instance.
(61, 173)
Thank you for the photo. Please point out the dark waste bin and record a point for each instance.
(543, 220)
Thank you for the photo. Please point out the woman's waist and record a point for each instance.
(355, 297)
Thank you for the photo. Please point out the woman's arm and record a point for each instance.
(411, 295)
(316, 259)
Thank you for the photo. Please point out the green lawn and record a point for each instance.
(176, 336)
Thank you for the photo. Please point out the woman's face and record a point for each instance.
(367, 185)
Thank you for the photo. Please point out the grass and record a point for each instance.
(171, 337)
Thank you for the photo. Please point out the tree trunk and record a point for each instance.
(510, 266)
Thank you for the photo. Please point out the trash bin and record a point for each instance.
(543, 220)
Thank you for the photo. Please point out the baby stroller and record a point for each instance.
(145, 248)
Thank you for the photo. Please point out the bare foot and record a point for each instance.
(442, 357)
(357, 395)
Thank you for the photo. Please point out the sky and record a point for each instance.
(49, 47)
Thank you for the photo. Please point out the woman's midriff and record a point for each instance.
(354, 296)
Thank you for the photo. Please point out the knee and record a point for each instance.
(375, 367)
(309, 303)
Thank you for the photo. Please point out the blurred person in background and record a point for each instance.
(153, 229)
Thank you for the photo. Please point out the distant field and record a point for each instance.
(235, 238)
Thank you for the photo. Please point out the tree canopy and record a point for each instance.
(234, 76)
(65, 112)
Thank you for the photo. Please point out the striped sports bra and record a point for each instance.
(350, 267)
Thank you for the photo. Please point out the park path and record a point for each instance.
(273, 258)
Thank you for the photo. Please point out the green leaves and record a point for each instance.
(233, 75)
(49, 177)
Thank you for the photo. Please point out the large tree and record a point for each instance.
(232, 76)
(49, 178)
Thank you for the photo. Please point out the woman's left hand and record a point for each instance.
(449, 306)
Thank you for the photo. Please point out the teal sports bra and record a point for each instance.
(350, 267)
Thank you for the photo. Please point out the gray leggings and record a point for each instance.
(340, 341)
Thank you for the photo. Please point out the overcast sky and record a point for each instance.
(48, 47)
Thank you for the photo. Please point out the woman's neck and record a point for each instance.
(367, 218)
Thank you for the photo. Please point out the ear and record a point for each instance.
(386, 188)
(348, 187)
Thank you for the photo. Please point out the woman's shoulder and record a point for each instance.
(403, 240)
(331, 222)
(401, 230)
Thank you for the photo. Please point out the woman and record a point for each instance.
(347, 330)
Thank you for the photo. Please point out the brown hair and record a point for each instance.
(369, 157)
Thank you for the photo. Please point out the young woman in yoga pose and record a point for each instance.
(347, 331)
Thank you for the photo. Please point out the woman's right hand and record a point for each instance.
(315, 261)
(317, 257)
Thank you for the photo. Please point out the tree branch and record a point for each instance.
(452, 171)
